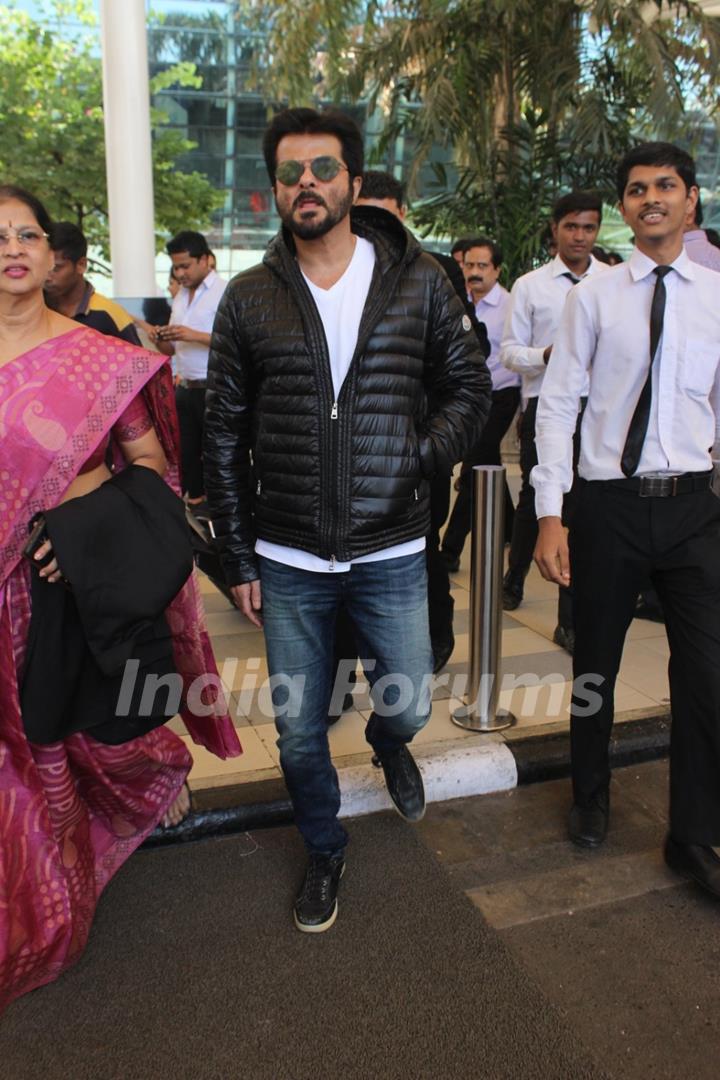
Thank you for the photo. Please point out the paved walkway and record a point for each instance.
(625, 949)
(528, 654)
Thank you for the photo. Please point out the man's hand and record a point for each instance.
(180, 333)
(551, 551)
(248, 599)
(547, 353)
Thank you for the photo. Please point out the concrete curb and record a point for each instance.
(450, 770)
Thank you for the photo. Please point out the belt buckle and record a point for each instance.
(657, 487)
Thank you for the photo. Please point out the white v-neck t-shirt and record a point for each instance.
(340, 309)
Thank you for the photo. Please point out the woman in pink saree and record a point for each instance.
(72, 811)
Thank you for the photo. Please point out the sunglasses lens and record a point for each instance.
(289, 172)
(325, 168)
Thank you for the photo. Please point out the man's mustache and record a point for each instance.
(315, 200)
(474, 279)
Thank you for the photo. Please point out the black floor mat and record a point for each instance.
(195, 970)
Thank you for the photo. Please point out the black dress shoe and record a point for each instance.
(513, 588)
(646, 609)
(588, 824)
(451, 561)
(565, 638)
(347, 705)
(694, 861)
(404, 782)
(442, 651)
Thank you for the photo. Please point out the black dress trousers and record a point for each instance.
(485, 452)
(618, 540)
(525, 524)
(190, 402)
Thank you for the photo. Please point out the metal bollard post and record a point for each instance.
(480, 713)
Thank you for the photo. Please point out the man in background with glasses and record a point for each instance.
(320, 448)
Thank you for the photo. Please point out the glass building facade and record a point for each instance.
(226, 120)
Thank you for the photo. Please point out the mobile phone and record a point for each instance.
(38, 536)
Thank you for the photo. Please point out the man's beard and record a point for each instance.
(312, 230)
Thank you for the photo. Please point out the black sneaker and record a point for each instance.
(404, 782)
(316, 905)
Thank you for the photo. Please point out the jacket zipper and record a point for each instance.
(380, 290)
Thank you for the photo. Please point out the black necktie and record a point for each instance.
(567, 274)
(639, 423)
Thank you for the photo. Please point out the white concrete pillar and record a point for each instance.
(126, 96)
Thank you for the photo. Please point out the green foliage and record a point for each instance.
(528, 98)
(52, 138)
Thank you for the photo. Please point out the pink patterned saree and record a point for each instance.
(72, 812)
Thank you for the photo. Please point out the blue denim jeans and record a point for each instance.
(387, 602)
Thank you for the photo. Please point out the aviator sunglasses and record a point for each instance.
(324, 167)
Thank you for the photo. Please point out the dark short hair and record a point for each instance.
(312, 122)
(576, 202)
(381, 185)
(655, 153)
(12, 191)
(484, 241)
(69, 240)
(188, 240)
(460, 245)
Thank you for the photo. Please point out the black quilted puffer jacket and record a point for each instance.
(283, 459)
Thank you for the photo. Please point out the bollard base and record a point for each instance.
(468, 718)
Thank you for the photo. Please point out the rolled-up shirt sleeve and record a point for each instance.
(516, 352)
(559, 402)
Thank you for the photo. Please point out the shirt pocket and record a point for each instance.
(699, 368)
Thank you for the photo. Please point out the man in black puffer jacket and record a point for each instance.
(319, 452)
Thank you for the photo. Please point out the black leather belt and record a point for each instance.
(661, 487)
(193, 384)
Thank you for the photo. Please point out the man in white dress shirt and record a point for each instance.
(187, 337)
(482, 266)
(696, 242)
(536, 303)
(647, 335)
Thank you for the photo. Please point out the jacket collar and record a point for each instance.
(393, 243)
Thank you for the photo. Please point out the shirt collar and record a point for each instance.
(207, 283)
(559, 268)
(641, 265)
(83, 306)
(492, 298)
